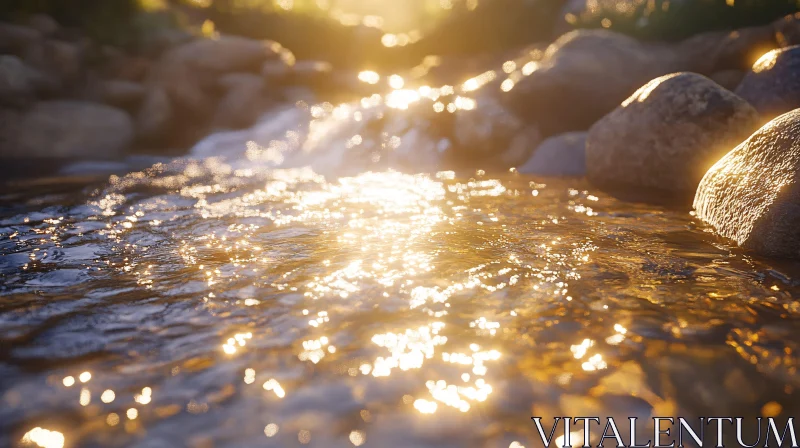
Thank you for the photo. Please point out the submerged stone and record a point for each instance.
(752, 194)
(562, 155)
(658, 144)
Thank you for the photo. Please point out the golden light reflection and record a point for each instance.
(369, 77)
(44, 438)
(107, 396)
(238, 340)
(396, 82)
(766, 61)
(357, 438)
(271, 430)
(274, 386)
(479, 81)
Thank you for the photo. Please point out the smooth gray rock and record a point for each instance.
(562, 155)
(772, 86)
(659, 143)
(584, 75)
(65, 129)
(752, 194)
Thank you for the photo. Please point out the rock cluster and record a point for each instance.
(65, 96)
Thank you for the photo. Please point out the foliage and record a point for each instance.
(678, 19)
(117, 22)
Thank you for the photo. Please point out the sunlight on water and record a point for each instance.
(378, 308)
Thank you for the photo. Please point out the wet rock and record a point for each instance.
(752, 194)
(773, 84)
(14, 39)
(121, 93)
(65, 129)
(562, 155)
(659, 143)
(729, 79)
(562, 94)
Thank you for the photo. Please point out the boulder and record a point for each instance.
(561, 155)
(65, 129)
(772, 86)
(659, 143)
(584, 75)
(752, 194)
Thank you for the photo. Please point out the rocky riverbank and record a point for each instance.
(63, 96)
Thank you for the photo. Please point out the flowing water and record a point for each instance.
(273, 291)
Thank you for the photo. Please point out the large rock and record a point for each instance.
(659, 143)
(561, 155)
(752, 194)
(65, 129)
(773, 84)
(584, 75)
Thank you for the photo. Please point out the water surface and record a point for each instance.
(199, 304)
